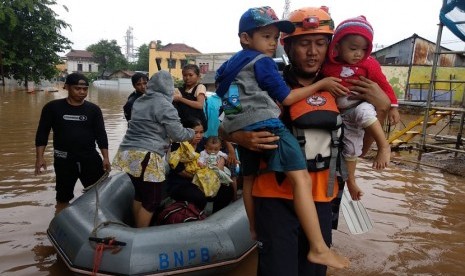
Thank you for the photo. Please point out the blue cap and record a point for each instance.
(261, 17)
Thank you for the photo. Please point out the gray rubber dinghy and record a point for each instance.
(92, 236)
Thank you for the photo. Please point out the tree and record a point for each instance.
(159, 45)
(142, 58)
(142, 54)
(108, 55)
(30, 40)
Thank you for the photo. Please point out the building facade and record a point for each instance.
(407, 65)
(171, 58)
(80, 61)
(208, 64)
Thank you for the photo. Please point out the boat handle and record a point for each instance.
(107, 241)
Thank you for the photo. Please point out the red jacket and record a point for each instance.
(369, 68)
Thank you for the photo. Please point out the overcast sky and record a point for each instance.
(211, 26)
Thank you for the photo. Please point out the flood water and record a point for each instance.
(418, 212)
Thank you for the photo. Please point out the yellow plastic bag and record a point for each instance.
(184, 154)
(207, 180)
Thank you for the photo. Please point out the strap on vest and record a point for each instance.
(335, 153)
(341, 164)
(300, 136)
(335, 164)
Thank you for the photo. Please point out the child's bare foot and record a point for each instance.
(328, 258)
(355, 192)
(382, 158)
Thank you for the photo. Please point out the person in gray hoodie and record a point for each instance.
(153, 126)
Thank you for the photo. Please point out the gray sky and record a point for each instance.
(211, 26)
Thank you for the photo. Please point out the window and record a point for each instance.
(90, 67)
(183, 63)
(390, 60)
(158, 62)
(79, 67)
(171, 63)
(204, 68)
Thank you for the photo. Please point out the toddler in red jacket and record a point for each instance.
(349, 58)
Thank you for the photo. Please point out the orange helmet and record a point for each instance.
(310, 21)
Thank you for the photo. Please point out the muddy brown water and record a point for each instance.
(418, 211)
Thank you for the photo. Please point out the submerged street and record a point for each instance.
(418, 211)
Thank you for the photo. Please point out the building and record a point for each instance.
(80, 61)
(416, 50)
(407, 65)
(208, 64)
(171, 58)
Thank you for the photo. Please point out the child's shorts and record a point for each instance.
(287, 157)
(355, 121)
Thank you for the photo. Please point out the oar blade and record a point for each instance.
(355, 214)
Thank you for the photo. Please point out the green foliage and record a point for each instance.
(108, 55)
(142, 63)
(159, 45)
(92, 76)
(178, 82)
(142, 58)
(30, 39)
(8, 11)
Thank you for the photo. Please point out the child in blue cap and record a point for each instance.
(251, 87)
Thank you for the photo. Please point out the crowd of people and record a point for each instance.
(289, 181)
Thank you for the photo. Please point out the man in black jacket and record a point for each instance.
(77, 125)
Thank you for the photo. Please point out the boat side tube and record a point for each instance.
(214, 244)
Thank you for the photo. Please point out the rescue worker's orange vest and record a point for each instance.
(316, 112)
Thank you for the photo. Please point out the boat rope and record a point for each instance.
(100, 180)
(97, 225)
(97, 202)
(103, 244)
(104, 224)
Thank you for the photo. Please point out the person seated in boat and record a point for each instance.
(215, 115)
(208, 177)
(180, 179)
(154, 124)
(214, 158)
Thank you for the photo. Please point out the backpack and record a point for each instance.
(212, 110)
(178, 212)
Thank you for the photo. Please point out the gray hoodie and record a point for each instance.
(154, 120)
